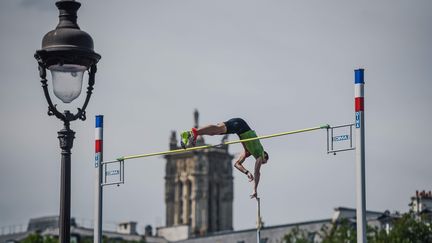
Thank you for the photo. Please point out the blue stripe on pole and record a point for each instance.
(359, 76)
(99, 121)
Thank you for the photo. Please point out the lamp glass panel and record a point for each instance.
(67, 81)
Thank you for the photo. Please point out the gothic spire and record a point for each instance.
(173, 140)
(200, 139)
(196, 118)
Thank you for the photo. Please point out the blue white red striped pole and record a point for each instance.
(360, 157)
(98, 140)
(97, 236)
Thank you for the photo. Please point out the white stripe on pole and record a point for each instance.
(359, 91)
(99, 133)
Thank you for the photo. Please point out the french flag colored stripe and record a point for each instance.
(99, 121)
(99, 134)
(359, 90)
(98, 146)
(359, 76)
(359, 104)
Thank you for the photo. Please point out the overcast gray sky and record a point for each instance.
(281, 65)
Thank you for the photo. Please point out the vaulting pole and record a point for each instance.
(360, 157)
(258, 220)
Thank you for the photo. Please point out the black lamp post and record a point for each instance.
(67, 52)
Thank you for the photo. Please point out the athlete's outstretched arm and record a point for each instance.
(257, 174)
(239, 164)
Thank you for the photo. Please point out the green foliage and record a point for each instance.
(297, 236)
(339, 232)
(407, 229)
(37, 238)
(117, 240)
(87, 240)
(33, 238)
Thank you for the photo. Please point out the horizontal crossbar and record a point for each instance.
(176, 151)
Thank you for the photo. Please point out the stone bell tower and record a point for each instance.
(199, 187)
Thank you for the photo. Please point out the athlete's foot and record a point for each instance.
(184, 138)
(187, 139)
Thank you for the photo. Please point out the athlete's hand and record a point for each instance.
(250, 176)
(254, 195)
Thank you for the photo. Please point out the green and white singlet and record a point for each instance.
(254, 147)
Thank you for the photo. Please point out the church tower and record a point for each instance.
(199, 187)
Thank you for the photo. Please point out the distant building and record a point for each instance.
(198, 190)
(421, 204)
(274, 234)
(47, 226)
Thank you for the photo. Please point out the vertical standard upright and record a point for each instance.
(97, 235)
(360, 156)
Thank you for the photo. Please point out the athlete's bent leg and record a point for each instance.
(211, 130)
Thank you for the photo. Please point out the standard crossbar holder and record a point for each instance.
(340, 138)
(113, 172)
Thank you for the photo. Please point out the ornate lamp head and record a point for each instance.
(67, 52)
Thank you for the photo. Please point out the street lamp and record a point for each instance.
(67, 52)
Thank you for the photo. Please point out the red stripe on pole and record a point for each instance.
(98, 146)
(359, 104)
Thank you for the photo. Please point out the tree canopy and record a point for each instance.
(409, 228)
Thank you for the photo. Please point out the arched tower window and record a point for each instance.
(180, 202)
(218, 211)
(189, 202)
